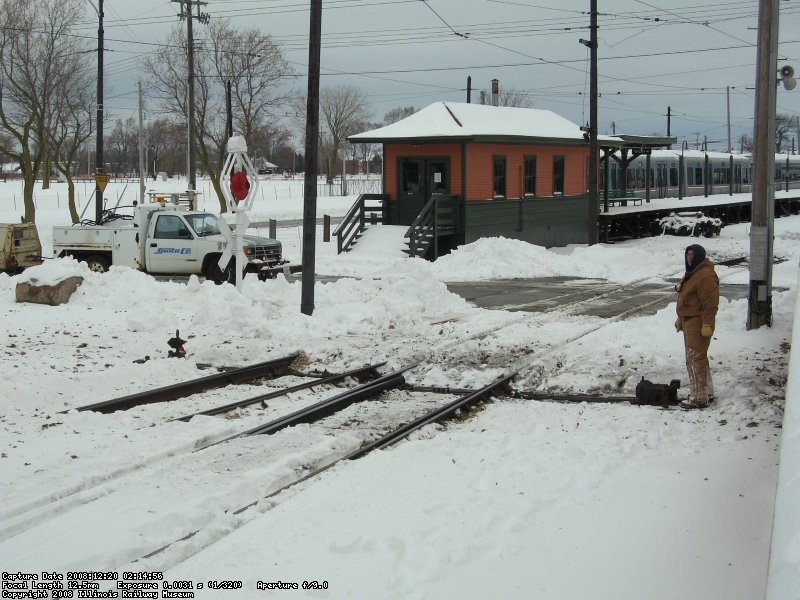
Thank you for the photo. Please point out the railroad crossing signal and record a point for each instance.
(101, 179)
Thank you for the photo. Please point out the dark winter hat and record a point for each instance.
(699, 256)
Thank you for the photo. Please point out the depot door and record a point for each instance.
(418, 180)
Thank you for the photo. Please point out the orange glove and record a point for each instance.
(706, 330)
(679, 324)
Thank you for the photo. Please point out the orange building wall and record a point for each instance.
(479, 167)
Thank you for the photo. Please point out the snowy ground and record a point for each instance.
(522, 500)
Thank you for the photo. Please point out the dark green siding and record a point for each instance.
(542, 221)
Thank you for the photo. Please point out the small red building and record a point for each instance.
(513, 172)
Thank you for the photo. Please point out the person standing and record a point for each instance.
(698, 300)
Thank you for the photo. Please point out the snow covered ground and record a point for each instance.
(524, 499)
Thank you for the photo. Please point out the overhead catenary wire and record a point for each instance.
(556, 21)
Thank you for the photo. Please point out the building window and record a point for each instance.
(529, 176)
(499, 176)
(558, 175)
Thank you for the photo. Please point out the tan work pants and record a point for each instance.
(696, 346)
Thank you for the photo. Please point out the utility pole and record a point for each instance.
(728, 94)
(98, 169)
(141, 145)
(186, 12)
(229, 106)
(669, 121)
(312, 135)
(669, 125)
(593, 149)
(763, 208)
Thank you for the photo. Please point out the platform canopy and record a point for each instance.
(643, 141)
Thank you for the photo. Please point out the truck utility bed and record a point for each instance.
(119, 240)
(88, 235)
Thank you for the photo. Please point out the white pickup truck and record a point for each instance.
(164, 240)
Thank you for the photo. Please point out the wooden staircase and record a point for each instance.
(438, 218)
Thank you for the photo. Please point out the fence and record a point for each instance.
(353, 187)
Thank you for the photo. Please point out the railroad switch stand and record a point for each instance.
(176, 343)
(657, 394)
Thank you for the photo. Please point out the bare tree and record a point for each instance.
(254, 65)
(165, 147)
(398, 114)
(38, 61)
(72, 128)
(122, 147)
(366, 151)
(509, 97)
(784, 125)
(343, 111)
(795, 132)
(270, 140)
(745, 144)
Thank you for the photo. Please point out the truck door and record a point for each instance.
(171, 247)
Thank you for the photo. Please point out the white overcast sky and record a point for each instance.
(652, 54)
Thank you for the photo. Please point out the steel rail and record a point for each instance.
(324, 408)
(328, 407)
(272, 368)
(370, 370)
(397, 435)
(436, 415)
(538, 396)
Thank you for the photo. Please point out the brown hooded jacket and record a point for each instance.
(699, 294)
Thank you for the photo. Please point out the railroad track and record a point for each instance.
(99, 496)
(17, 517)
(179, 550)
(243, 441)
(525, 361)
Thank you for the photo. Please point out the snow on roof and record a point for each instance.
(688, 154)
(462, 120)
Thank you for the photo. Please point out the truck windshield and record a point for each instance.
(203, 224)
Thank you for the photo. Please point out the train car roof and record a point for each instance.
(667, 154)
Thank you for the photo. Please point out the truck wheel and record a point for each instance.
(98, 264)
(217, 275)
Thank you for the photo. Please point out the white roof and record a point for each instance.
(462, 120)
(696, 155)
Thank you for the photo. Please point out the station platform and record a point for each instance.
(628, 222)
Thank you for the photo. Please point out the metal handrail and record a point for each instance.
(429, 222)
(354, 222)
